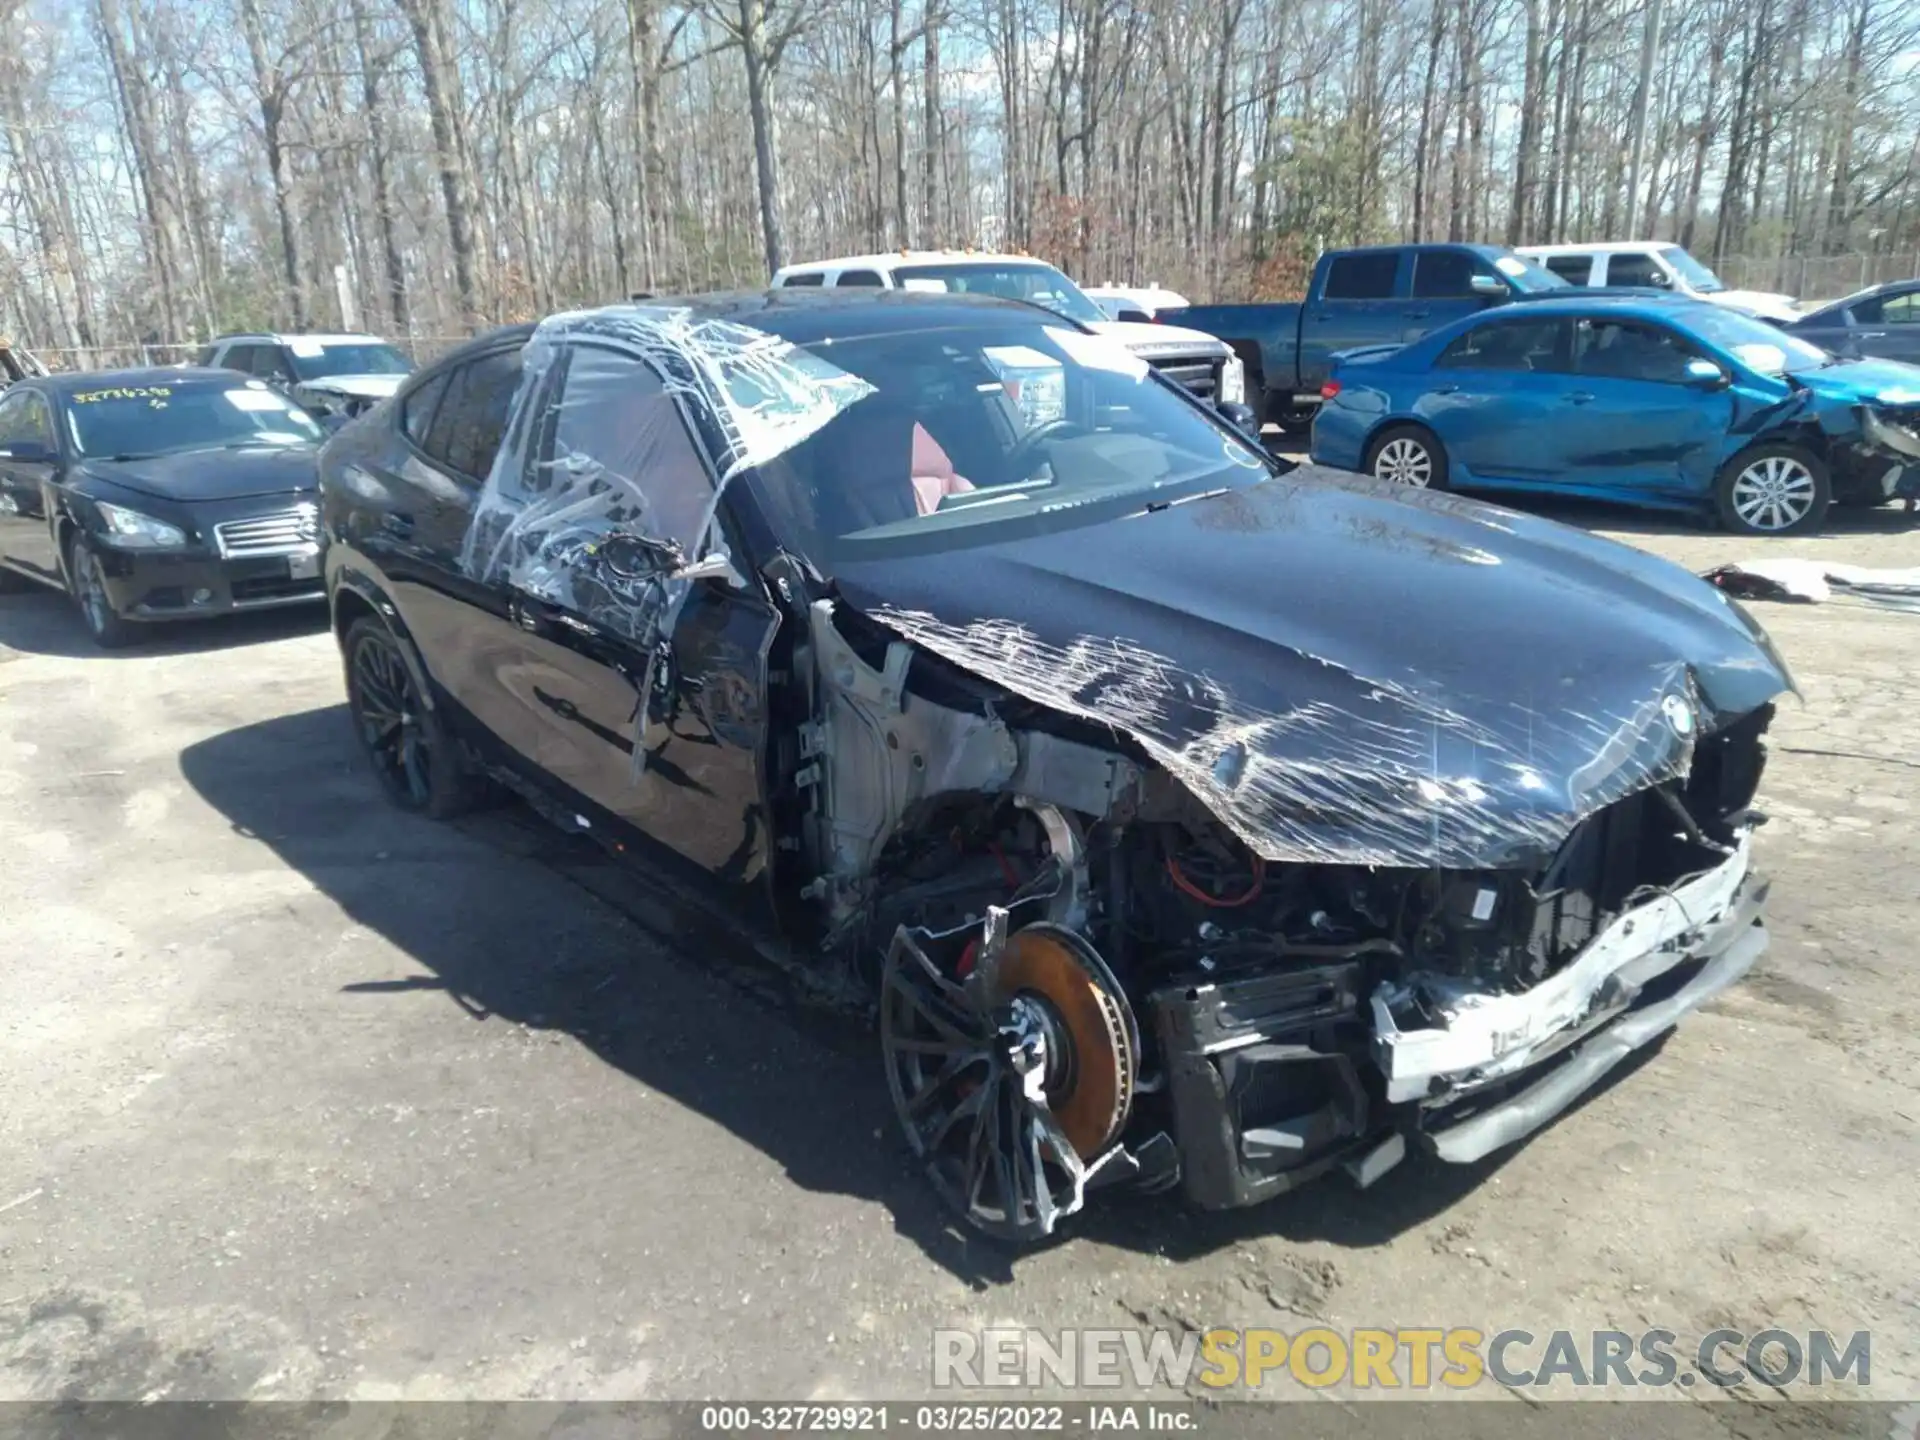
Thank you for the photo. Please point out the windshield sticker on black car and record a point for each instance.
(155, 395)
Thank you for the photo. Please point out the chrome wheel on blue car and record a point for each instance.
(1773, 490)
(1408, 455)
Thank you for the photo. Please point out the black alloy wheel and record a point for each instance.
(405, 741)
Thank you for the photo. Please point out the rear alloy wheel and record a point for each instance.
(89, 581)
(1773, 490)
(1408, 455)
(405, 742)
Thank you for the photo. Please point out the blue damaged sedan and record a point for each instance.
(1652, 401)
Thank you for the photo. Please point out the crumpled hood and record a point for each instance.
(1347, 671)
(1879, 382)
(363, 387)
(1149, 340)
(214, 474)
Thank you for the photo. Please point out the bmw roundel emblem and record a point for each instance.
(1679, 715)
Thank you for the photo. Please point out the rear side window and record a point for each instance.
(1574, 269)
(812, 278)
(416, 411)
(1442, 274)
(860, 277)
(1634, 270)
(472, 414)
(1508, 345)
(1363, 277)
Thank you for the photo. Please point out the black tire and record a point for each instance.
(1773, 489)
(87, 583)
(412, 753)
(1294, 420)
(1389, 458)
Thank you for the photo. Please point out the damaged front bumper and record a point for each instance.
(1279, 1077)
(1885, 462)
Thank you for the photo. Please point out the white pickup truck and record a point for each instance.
(1201, 364)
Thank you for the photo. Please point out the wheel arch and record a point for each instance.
(1396, 422)
(356, 596)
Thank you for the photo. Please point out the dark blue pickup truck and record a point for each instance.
(1373, 295)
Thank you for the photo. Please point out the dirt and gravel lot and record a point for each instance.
(305, 1097)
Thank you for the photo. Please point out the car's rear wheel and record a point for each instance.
(1408, 455)
(1773, 490)
(406, 742)
(88, 578)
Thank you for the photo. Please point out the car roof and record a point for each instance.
(518, 333)
(282, 337)
(1395, 247)
(893, 260)
(807, 314)
(1647, 304)
(1885, 290)
(1599, 247)
(67, 382)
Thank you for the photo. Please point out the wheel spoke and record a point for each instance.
(414, 763)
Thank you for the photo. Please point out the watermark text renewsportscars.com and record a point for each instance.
(1404, 1358)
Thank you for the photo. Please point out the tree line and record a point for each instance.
(173, 168)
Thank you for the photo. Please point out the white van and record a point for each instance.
(1652, 263)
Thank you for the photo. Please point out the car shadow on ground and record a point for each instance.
(45, 622)
(689, 1013)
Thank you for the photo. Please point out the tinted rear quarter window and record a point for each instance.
(1363, 277)
(416, 410)
(866, 278)
(814, 278)
(1574, 269)
(473, 413)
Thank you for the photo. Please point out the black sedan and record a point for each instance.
(1179, 818)
(1882, 322)
(158, 495)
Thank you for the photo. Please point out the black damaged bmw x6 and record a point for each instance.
(154, 495)
(1180, 819)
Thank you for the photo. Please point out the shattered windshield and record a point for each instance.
(986, 427)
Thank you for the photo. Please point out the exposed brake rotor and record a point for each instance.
(1094, 1050)
(1010, 1082)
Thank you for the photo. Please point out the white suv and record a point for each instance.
(1201, 364)
(334, 376)
(1664, 267)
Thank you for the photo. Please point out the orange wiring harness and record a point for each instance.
(1194, 892)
